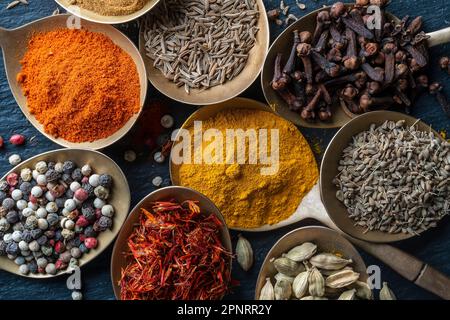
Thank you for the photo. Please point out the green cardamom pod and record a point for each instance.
(279, 276)
(348, 295)
(363, 290)
(302, 252)
(300, 284)
(329, 261)
(244, 253)
(267, 292)
(316, 283)
(313, 298)
(342, 279)
(386, 293)
(288, 267)
(283, 290)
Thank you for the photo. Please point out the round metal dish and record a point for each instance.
(98, 18)
(329, 170)
(179, 194)
(120, 199)
(14, 44)
(326, 240)
(219, 93)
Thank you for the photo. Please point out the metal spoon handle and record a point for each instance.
(439, 37)
(408, 267)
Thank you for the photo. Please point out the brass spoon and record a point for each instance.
(283, 45)
(179, 194)
(327, 240)
(98, 18)
(120, 199)
(14, 44)
(219, 93)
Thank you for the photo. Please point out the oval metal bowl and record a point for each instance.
(98, 18)
(14, 44)
(179, 194)
(326, 240)
(206, 113)
(329, 170)
(220, 93)
(283, 44)
(120, 199)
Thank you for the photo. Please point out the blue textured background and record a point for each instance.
(433, 247)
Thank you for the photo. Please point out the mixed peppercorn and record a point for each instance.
(51, 215)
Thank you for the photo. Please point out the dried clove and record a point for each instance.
(444, 64)
(304, 52)
(322, 20)
(389, 50)
(273, 15)
(288, 69)
(373, 73)
(308, 112)
(436, 90)
(331, 68)
(356, 23)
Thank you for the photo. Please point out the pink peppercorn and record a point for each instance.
(81, 195)
(98, 213)
(59, 247)
(2, 142)
(32, 199)
(60, 265)
(85, 180)
(12, 179)
(82, 237)
(51, 242)
(90, 243)
(17, 139)
(82, 221)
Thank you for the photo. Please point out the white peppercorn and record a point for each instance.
(14, 159)
(41, 167)
(98, 203)
(77, 295)
(70, 205)
(157, 181)
(19, 260)
(94, 180)
(41, 213)
(159, 157)
(16, 194)
(41, 180)
(36, 191)
(4, 225)
(34, 246)
(69, 224)
(17, 236)
(74, 186)
(8, 203)
(108, 210)
(27, 212)
(42, 262)
(86, 170)
(23, 245)
(7, 238)
(26, 174)
(51, 207)
(42, 224)
(101, 192)
(23, 269)
(50, 269)
(21, 204)
(59, 167)
(49, 196)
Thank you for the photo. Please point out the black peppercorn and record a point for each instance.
(36, 233)
(58, 235)
(68, 167)
(51, 165)
(50, 234)
(33, 267)
(42, 240)
(3, 196)
(12, 217)
(27, 236)
(89, 232)
(89, 189)
(25, 187)
(4, 186)
(67, 178)
(3, 246)
(12, 248)
(74, 242)
(69, 194)
(52, 175)
(103, 224)
(60, 202)
(77, 175)
(88, 213)
(105, 180)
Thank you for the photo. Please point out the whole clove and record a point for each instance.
(444, 64)
(365, 69)
(436, 90)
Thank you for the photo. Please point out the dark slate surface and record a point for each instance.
(432, 247)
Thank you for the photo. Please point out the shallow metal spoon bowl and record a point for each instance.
(327, 240)
(220, 93)
(283, 44)
(179, 194)
(98, 18)
(14, 44)
(120, 198)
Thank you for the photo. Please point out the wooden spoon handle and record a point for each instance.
(409, 267)
(439, 37)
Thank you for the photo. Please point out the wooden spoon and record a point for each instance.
(14, 44)
(120, 199)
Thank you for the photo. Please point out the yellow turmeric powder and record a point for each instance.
(246, 195)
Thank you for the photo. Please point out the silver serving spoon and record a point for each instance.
(14, 45)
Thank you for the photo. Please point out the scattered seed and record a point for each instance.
(300, 5)
(130, 156)
(12, 4)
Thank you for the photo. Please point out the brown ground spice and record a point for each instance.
(79, 85)
(111, 7)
